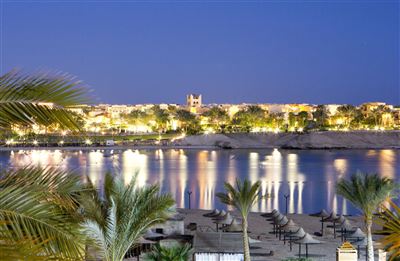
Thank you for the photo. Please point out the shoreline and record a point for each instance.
(127, 147)
(322, 140)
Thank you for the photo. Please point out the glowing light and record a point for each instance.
(9, 142)
(88, 142)
(276, 130)
(376, 128)
(35, 142)
(300, 129)
(61, 142)
(64, 133)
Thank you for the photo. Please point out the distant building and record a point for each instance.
(193, 100)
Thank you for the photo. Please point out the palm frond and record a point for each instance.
(38, 213)
(127, 211)
(390, 222)
(40, 99)
(366, 192)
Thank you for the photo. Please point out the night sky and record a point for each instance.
(272, 52)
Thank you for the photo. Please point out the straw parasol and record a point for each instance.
(214, 213)
(282, 221)
(340, 219)
(295, 235)
(270, 213)
(290, 226)
(235, 226)
(226, 220)
(322, 214)
(345, 228)
(358, 234)
(221, 215)
(299, 233)
(332, 218)
(273, 216)
(306, 240)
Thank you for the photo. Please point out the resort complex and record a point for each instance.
(217, 130)
(194, 117)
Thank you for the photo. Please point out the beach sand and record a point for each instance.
(260, 229)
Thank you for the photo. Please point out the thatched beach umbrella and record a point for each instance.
(333, 218)
(281, 223)
(323, 214)
(221, 218)
(221, 214)
(235, 226)
(345, 228)
(288, 228)
(214, 213)
(306, 240)
(296, 235)
(226, 220)
(274, 216)
(358, 234)
(270, 213)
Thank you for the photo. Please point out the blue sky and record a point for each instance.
(231, 52)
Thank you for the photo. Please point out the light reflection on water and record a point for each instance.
(308, 176)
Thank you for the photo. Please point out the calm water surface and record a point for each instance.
(307, 176)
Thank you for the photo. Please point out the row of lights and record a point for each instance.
(35, 142)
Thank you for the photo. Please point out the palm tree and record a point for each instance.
(174, 253)
(118, 214)
(38, 215)
(243, 197)
(38, 219)
(390, 222)
(39, 99)
(367, 193)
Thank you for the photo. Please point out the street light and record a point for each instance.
(286, 196)
(189, 194)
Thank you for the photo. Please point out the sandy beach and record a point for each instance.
(261, 229)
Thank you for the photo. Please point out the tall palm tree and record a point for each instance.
(390, 222)
(41, 99)
(38, 215)
(243, 197)
(367, 193)
(118, 214)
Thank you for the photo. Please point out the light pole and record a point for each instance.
(189, 194)
(286, 201)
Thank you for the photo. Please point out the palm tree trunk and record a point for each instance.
(370, 246)
(246, 249)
